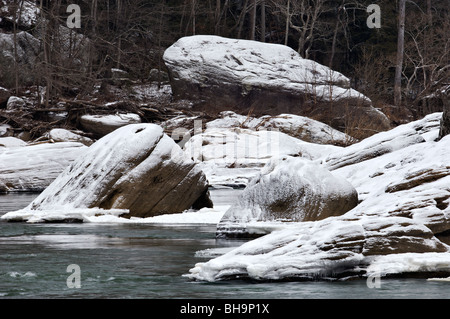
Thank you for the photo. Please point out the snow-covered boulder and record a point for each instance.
(400, 225)
(15, 103)
(101, 125)
(232, 156)
(5, 130)
(34, 167)
(335, 247)
(411, 181)
(8, 142)
(301, 127)
(136, 170)
(229, 74)
(26, 15)
(63, 135)
(27, 47)
(289, 189)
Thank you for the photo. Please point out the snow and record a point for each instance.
(300, 189)
(34, 167)
(118, 158)
(297, 126)
(410, 262)
(113, 119)
(63, 135)
(11, 142)
(389, 232)
(256, 64)
(29, 13)
(235, 155)
(204, 216)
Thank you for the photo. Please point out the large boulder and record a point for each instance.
(336, 247)
(232, 156)
(289, 189)
(240, 75)
(137, 171)
(25, 168)
(399, 228)
(300, 127)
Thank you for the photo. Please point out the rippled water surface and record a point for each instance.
(148, 261)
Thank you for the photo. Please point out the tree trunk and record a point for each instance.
(288, 22)
(253, 21)
(400, 51)
(263, 21)
(16, 70)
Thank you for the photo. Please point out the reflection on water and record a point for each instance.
(148, 261)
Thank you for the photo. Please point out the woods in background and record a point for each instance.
(131, 35)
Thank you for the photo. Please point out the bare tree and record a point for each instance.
(303, 17)
(400, 52)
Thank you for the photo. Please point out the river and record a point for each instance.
(148, 261)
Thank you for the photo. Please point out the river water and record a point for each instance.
(148, 261)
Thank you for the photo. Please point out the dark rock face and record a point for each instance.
(4, 96)
(445, 121)
(247, 76)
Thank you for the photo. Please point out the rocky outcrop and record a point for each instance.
(399, 227)
(289, 189)
(137, 170)
(244, 76)
(232, 156)
(101, 125)
(15, 103)
(25, 168)
(300, 127)
(332, 248)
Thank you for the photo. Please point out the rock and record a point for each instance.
(34, 167)
(374, 146)
(15, 103)
(6, 130)
(137, 171)
(158, 76)
(399, 227)
(11, 142)
(28, 10)
(27, 48)
(336, 247)
(4, 96)
(101, 125)
(445, 121)
(240, 75)
(288, 190)
(410, 181)
(62, 135)
(232, 156)
(300, 127)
